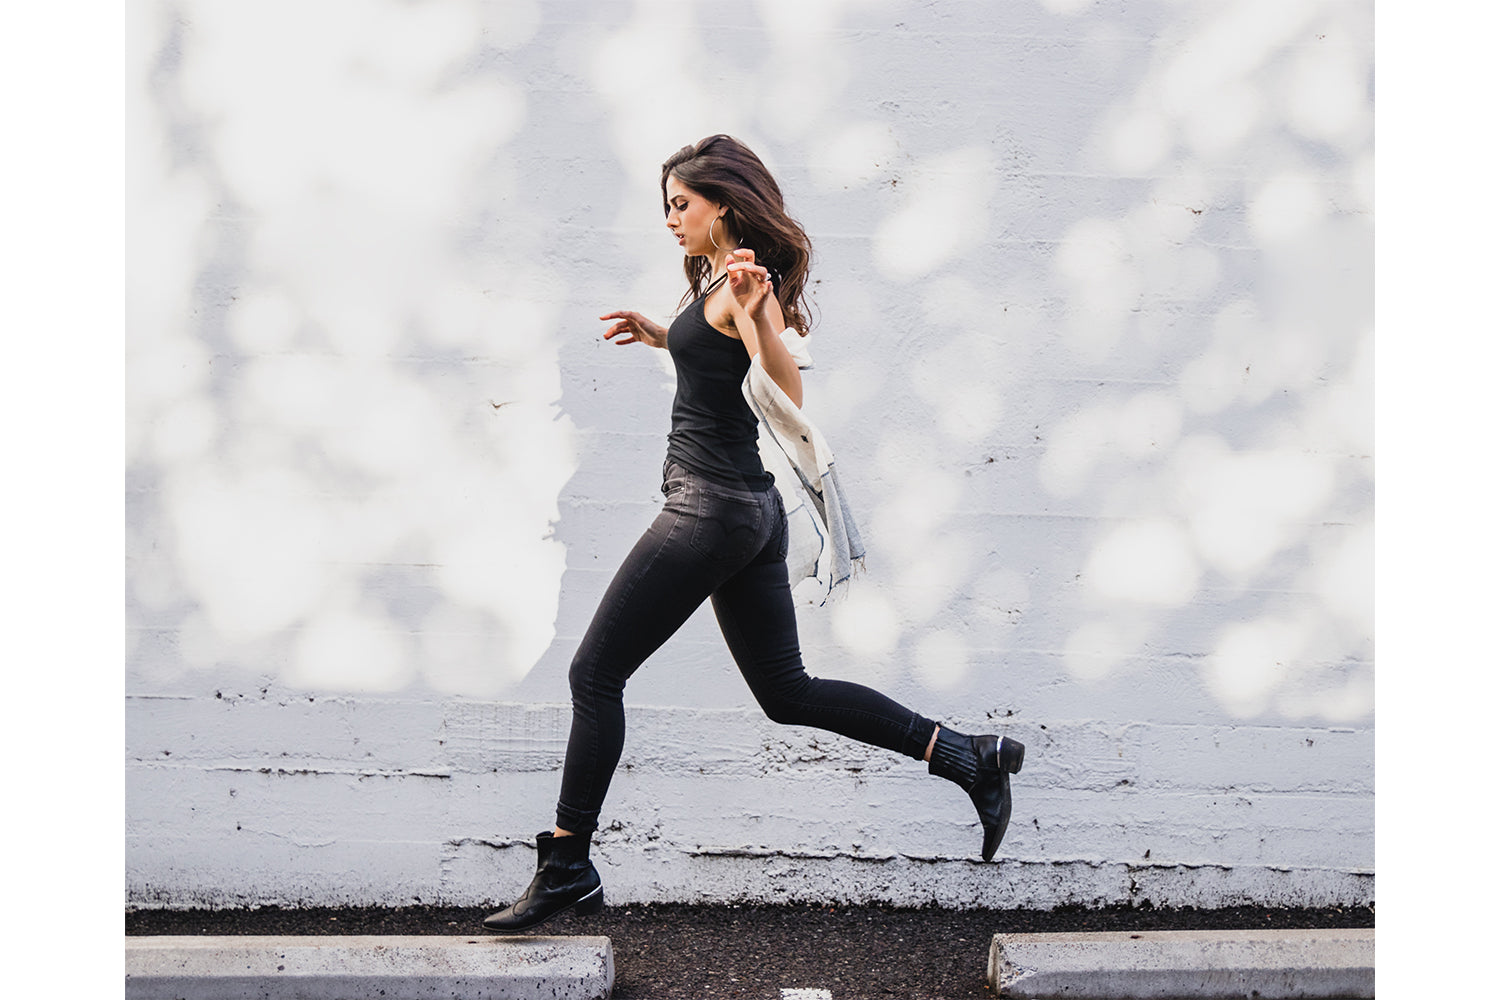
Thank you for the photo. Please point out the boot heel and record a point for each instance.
(590, 904)
(1012, 753)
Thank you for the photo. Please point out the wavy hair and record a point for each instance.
(724, 170)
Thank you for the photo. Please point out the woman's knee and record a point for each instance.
(580, 676)
(786, 703)
(586, 681)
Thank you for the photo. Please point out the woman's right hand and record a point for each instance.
(635, 327)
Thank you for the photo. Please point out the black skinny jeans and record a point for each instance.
(727, 545)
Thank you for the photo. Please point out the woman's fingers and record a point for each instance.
(747, 268)
(745, 277)
(625, 327)
(635, 328)
(744, 260)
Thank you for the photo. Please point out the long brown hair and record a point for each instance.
(724, 170)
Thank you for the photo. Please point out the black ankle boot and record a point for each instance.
(981, 766)
(565, 879)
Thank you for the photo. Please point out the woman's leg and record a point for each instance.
(758, 619)
(759, 622)
(703, 534)
(660, 584)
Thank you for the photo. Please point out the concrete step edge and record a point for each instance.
(481, 967)
(1116, 965)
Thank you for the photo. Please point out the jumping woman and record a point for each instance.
(722, 532)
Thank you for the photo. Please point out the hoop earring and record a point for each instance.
(711, 234)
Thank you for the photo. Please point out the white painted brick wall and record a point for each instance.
(1096, 305)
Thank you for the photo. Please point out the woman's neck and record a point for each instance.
(718, 263)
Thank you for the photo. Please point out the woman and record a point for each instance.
(722, 533)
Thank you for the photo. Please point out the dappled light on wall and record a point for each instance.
(1134, 371)
(329, 371)
(1092, 293)
(1246, 474)
(947, 200)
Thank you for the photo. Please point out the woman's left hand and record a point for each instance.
(762, 323)
(749, 283)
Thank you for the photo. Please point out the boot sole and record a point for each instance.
(585, 907)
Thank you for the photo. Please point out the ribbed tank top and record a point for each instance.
(713, 430)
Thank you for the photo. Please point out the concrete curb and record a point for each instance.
(393, 968)
(1271, 965)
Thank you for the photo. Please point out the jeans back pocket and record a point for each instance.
(727, 529)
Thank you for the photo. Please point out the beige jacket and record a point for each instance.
(823, 542)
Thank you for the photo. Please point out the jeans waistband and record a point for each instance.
(673, 469)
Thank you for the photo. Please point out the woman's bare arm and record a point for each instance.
(759, 321)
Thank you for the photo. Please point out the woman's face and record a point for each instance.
(689, 216)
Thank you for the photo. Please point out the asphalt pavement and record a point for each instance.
(752, 952)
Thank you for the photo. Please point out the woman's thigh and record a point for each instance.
(759, 621)
(703, 536)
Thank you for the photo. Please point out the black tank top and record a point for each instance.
(713, 431)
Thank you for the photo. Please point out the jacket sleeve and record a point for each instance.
(808, 455)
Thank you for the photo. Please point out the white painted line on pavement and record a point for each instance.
(806, 995)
